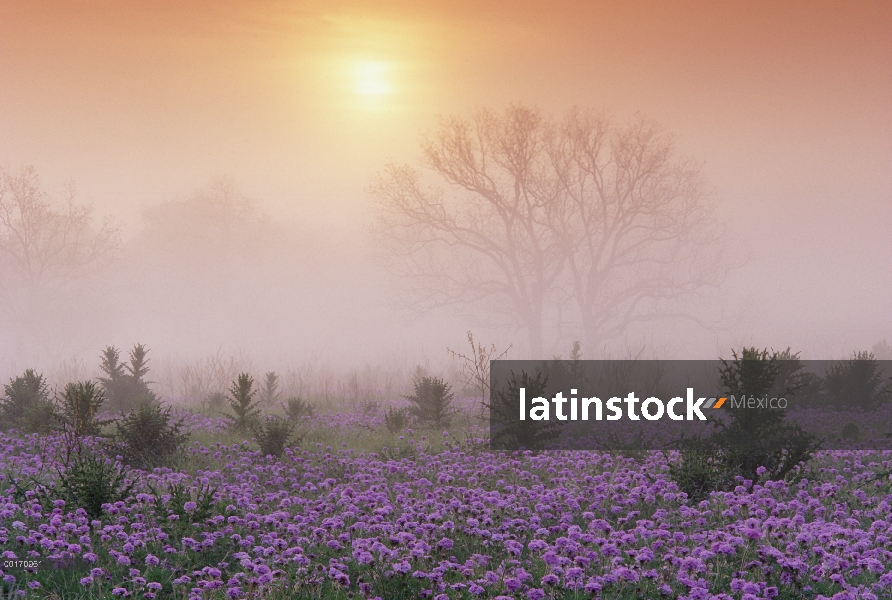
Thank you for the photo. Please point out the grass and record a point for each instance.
(329, 448)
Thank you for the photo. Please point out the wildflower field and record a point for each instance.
(358, 512)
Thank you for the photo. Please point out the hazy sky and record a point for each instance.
(788, 105)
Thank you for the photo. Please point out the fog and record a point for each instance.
(233, 148)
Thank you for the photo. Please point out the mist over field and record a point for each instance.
(297, 299)
(235, 148)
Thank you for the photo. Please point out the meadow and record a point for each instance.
(353, 508)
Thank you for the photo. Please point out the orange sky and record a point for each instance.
(787, 104)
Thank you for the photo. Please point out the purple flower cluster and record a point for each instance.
(540, 526)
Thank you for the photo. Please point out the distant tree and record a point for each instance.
(215, 242)
(882, 350)
(634, 224)
(541, 212)
(44, 246)
(206, 229)
(487, 244)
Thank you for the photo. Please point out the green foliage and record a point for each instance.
(124, 384)
(851, 432)
(80, 406)
(752, 373)
(174, 502)
(273, 435)
(269, 392)
(510, 432)
(793, 380)
(431, 402)
(244, 408)
(26, 404)
(396, 419)
(856, 383)
(752, 438)
(698, 472)
(90, 481)
(148, 436)
(297, 408)
(760, 437)
(216, 401)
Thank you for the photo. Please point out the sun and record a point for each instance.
(371, 78)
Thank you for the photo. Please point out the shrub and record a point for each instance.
(396, 419)
(851, 432)
(761, 438)
(431, 402)
(297, 408)
(269, 392)
(80, 406)
(273, 435)
(124, 384)
(510, 432)
(26, 404)
(215, 401)
(148, 436)
(245, 409)
(856, 383)
(90, 481)
(752, 438)
(205, 499)
(699, 472)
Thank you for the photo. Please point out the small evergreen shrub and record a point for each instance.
(856, 383)
(297, 408)
(124, 384)
(510, 432)
(762, 438)
(273, 435)
(431, 402)
(754, 444)
(699, 472)
(245, 410)
(90, 481)
(215, 401)
(26, 404)
(79, 409)
(269, 391)
(148, 436)
(851, 432)
(174, 502)
(396, 419)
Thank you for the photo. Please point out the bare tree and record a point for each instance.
(475, 369)
(44, 245)
(541, 213)
(488, 241)
(639, 239)
(214, 223)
